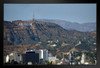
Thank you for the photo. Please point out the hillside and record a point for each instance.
(15, 33)
(39, 33)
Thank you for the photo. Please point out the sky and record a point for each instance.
(80, 13)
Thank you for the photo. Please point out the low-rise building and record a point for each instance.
(52, 59)
(14, 56)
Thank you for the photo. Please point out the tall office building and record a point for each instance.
(31, 57)
(45, 55)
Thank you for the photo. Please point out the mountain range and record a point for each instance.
(84, 27)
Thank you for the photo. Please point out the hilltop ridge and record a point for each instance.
(83, 27)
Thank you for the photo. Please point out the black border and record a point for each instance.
(51, 2)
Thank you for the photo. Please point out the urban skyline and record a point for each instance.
(43, 57)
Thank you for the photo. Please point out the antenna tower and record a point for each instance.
(33, 16)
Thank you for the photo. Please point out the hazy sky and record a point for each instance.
(81, 13)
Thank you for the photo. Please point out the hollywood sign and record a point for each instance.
(26, 24)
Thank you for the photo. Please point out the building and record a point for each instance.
(71, 58)
(58, 62)
(42, 61)
(52, 59)
(40, 52)
(64, 61)
(17, 57)
(7, 58)
(53, 45)
(14, 56)
(45, 55)
(83, 59)
(30, 57)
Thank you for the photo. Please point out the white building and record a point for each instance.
(40, 53)
(53, 45)
(14, 56)
(43, 54)
(52, 59)
(83, 59)
(94, 43)
(79, 42)
(7, 58)
(95, 62)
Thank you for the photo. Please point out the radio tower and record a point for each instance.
(33, 17)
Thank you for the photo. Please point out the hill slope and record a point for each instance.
(24, 33)
(33, 32)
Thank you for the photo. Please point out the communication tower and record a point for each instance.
(33, 16)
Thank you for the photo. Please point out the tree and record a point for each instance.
(49, 63)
